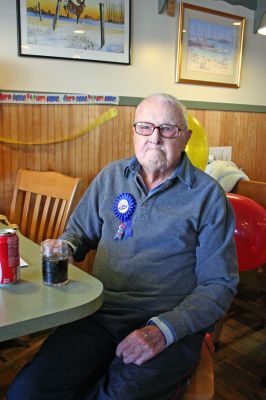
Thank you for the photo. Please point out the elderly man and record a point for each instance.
(163, 231)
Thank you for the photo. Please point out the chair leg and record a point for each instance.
(216, 335)
(201, 385)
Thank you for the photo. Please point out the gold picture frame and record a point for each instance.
(210, 47)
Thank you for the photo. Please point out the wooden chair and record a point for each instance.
(252, 189)
(42, 203)
(201, 385)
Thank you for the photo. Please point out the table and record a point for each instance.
(29, 306)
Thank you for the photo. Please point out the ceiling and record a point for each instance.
(259, 7)
(252, 4)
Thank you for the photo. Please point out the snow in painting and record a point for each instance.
(76, 24)
(211, 47)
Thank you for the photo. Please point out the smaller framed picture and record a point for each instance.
(86, 30)
(210, 46)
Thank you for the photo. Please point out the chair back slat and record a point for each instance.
(25, 213)
(44, 219)
(35, 216)
(53, 216)
(60, 220)
(42, 203)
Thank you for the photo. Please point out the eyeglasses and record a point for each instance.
(165, 130)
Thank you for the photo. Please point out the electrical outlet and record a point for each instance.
(221, 153)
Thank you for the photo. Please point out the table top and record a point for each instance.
(29, 306)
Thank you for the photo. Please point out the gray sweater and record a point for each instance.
(178, 269)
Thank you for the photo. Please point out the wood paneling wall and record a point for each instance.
(86, 155)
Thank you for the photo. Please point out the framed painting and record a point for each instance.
(87, 30)
(210, 46)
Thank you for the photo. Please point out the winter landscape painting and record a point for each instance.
(209, 46)
(89, 30)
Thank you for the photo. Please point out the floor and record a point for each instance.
(240, 363)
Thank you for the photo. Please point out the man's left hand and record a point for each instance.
(141, 345)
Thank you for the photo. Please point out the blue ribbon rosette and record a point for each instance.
(124, 208)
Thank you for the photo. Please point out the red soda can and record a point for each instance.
(9, 257)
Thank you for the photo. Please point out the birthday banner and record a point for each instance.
(55, 98)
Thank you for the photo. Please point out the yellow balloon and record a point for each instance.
(197, 148)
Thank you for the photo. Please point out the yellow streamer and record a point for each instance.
(112, 113)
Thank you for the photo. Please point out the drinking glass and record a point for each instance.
(54, 262)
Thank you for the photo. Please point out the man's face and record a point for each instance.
(156, 153)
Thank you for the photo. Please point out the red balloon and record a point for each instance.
(250, 232)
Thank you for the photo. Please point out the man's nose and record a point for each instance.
(155, 136)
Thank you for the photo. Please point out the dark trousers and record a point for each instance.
(78, 362)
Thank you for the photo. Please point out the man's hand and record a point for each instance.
(141, 345)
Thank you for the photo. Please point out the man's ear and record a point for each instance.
(189, 133)
(184, 138)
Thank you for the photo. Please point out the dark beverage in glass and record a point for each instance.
(55, 270)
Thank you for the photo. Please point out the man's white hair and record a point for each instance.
(171, 100)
